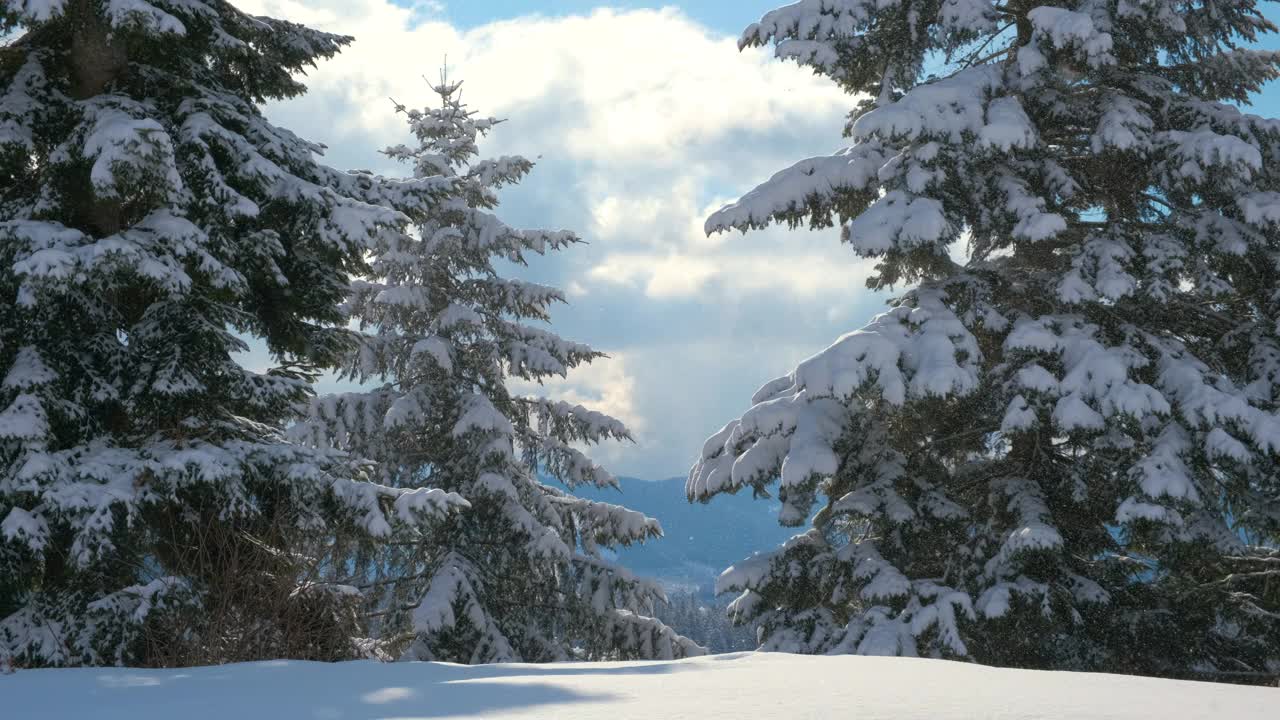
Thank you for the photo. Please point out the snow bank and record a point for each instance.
(745, 685)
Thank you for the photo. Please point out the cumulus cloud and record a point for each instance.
(653, 120)
(657, 243)
(636, 86)
(604, 385)
(642, 123)
(805, 276)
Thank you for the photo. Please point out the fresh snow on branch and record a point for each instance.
(1046, 443)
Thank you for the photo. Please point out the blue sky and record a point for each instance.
(643, 118)
(724, 16)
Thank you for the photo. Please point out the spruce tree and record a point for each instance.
(1059, 450)
(519, 575)
(151, 219)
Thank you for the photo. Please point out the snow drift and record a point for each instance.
(744, 685)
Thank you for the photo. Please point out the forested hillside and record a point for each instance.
(699, 541)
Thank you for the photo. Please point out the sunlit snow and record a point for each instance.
(739, 686)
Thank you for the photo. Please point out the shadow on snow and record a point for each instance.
(295, 689)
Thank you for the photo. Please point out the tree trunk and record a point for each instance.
(96, 58)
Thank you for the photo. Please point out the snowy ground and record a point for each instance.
(741, 686)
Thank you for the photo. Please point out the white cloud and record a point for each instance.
(639, 85)
(604, 385)
(607, 386)
(670, 275)
(675, 275)
(645, 107)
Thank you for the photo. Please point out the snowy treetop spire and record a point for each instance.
(520, 575)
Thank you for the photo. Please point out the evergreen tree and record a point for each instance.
(705, 621)
(518, 575)
(151, 510)
(1061, 450)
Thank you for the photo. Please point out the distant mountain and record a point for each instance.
(699, 541)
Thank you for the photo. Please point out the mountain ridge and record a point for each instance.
(699, 540)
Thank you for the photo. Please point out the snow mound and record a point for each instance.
(744, 685)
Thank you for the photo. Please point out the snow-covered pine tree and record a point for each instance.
(1061, 450)
(151, 510)
(518, 576)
